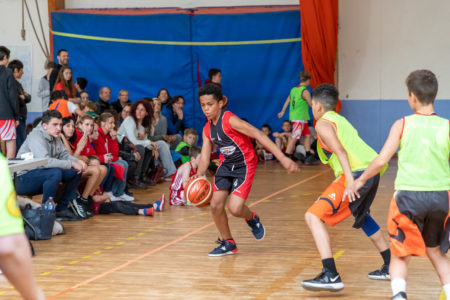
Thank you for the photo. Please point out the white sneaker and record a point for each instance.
(125, 197)
(112, 197)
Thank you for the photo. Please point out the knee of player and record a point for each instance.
(235, 209)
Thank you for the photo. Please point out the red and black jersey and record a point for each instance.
(235, 148)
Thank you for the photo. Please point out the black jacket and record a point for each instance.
(54, 76)
(103, 106)
(22, 103)
(118, 107)
(8, 94)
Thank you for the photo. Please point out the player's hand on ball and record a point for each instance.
(289, 165)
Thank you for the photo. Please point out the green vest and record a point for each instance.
(424, 152)
(298, 107)
(181, 145)
(359, 153)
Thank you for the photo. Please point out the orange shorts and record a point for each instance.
(332, 210)
(418, 220)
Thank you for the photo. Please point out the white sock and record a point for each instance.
(398, 285)
(447, 290)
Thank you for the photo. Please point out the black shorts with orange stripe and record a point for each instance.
(234, 178)
(332, 210)
(418, 220)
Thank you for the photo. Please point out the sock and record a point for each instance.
(148, 211)
(253, 217)
(386, 254)
(328, 263)
(231, 241)
(447, 290)
(398, 285)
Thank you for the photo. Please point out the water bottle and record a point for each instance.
(50, 204)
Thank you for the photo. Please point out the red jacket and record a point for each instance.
(106, 144)
(88, 150)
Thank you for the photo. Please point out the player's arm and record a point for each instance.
(185, 171)
(328, 136)
(286, 103)
(390, 147)
(247, 129)
(307, 96)
(205, 155)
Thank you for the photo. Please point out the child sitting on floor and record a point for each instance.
(182, 176)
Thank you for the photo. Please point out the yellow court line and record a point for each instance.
(133, 41)
(442, 296)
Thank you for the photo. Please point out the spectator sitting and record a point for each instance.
(159, 128)
(173, 112)
(282, 138)
(135, 127)
(22, 99)
(44, 85)
(215, 77)
(78, 145)
(84, 98)
(189, 139)
(64, 82)
(65, 107)
(103, 104)
(107, 150)
(81, 85)
(89, 107)
(124, 113)
(164, 96)
(121, 102)
(262, 153)
(44, 142)
(182, 176)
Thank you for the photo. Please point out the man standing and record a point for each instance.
(63, 60)
(8, 98)
(45, 142)
(23, 98)
(103, 101)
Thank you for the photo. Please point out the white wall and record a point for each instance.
(10, 27)
(171, 3)
(382, 41)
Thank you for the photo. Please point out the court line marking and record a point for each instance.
(112, 270)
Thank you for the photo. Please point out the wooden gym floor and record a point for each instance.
(165, 256)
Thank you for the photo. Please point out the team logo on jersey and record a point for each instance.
(228, 150)
(11, 205)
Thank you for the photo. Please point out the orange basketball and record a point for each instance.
(198, 191)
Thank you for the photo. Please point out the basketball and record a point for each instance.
(198, 191)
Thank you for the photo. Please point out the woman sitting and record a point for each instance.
(173, 111)
(78, 145)
(107, 149)
(135, 128)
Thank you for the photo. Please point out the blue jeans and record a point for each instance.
(20, 133)
(107, 182)
(118, 186)
(47, 181)
(166, 158)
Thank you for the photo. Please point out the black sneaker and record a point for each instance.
(257, 227)
(311, 160)
(382, 274)
(400, 296)
(325, 281)
(226, 248)
(77, 207)
(67, 215)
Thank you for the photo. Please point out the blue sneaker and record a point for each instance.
(226, 247)
(257, 227)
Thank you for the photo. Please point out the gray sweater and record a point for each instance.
(42, 145)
